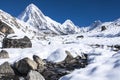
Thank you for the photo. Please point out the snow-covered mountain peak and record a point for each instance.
(68, 22)
(70, 27)
(34, 17)
(95, 24)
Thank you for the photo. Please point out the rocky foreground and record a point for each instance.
(38, 69)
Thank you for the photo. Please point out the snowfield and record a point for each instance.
(104, 63)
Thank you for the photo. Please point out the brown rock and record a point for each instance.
(4, 28)
(41, 64)
(16, 43)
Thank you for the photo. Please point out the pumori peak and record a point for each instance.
(33, 16)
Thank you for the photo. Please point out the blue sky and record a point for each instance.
(81, 12)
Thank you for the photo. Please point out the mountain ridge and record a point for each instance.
(38, 24)
(34, 16)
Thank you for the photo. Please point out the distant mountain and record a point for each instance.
(106, 29)
(95, 24)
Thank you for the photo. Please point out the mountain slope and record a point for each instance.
(19, 27)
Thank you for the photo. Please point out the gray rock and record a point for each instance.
(34, 75)
(16, 43)
(4, 54)
(38, 60)
(6, 72)
(25, 65)
(5, 68)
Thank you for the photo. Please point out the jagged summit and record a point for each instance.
(68, 22)
(32, 6)
(70, 27)
(95, 24)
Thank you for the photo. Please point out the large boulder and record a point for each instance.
(16, 43)
(6, 72)
(25, 65)
(4, 28)
(4, 54)
(39, 61)
(34, 75)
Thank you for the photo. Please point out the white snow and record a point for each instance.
(103, 63)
